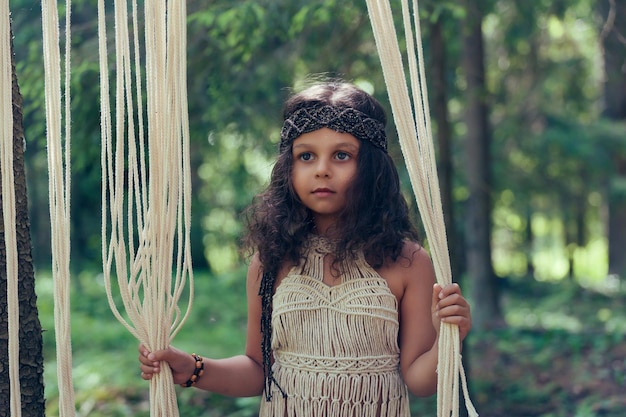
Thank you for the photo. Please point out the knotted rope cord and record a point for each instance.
(8, 208)
(153, 233)
(415, 136)
(59, 170)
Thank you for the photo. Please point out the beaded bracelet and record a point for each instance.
(197, 373)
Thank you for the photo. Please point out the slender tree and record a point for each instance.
(486, 309)
(613, 36)
(30, 336)
(443, 132)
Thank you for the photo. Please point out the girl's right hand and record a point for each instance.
(181, 363)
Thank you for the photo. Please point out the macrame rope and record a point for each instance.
(8, 209)
(59, 183)
(146, 193)
(412, 121)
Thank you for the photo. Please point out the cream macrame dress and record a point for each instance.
(335, 347)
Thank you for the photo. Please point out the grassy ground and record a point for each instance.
(563, 352)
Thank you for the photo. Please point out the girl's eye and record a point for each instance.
(306, 156)
(342, 156)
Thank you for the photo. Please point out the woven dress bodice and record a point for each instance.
(335, 347)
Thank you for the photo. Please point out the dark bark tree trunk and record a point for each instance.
(444, 137)
(528, 240)
(486, 309)
(30, 336)
(614, 46)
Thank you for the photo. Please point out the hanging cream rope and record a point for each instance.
(146, 192)
(8, 208)
(59, 169)
(412, 121)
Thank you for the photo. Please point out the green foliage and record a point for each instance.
(542, 366)
(544, 80)
(106, 377)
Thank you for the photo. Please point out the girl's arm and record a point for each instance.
(423, 305)
(237, 376)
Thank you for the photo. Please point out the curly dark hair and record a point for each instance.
(376, 219)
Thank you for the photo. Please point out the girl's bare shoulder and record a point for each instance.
(411, 268)
(412, 256)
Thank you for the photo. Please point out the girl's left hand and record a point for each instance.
(449, 306)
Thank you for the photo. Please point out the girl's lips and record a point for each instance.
(323, 191)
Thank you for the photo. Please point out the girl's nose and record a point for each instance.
(323, 170)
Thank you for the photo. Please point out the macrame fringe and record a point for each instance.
(146, 192)
(8, 207)
(59, 185)
(416, 143)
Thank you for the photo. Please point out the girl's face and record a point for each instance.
(324, 165)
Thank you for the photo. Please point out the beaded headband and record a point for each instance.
(339, 119)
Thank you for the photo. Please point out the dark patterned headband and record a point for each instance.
(339, 119)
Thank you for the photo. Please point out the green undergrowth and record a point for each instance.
(562, 353)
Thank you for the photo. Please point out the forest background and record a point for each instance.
(528, 104)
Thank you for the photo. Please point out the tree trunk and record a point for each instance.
(444, 137)
(30, 336)
(528, 240)
(614, 46)
(486, 309)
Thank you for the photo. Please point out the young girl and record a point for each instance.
(343, 309)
